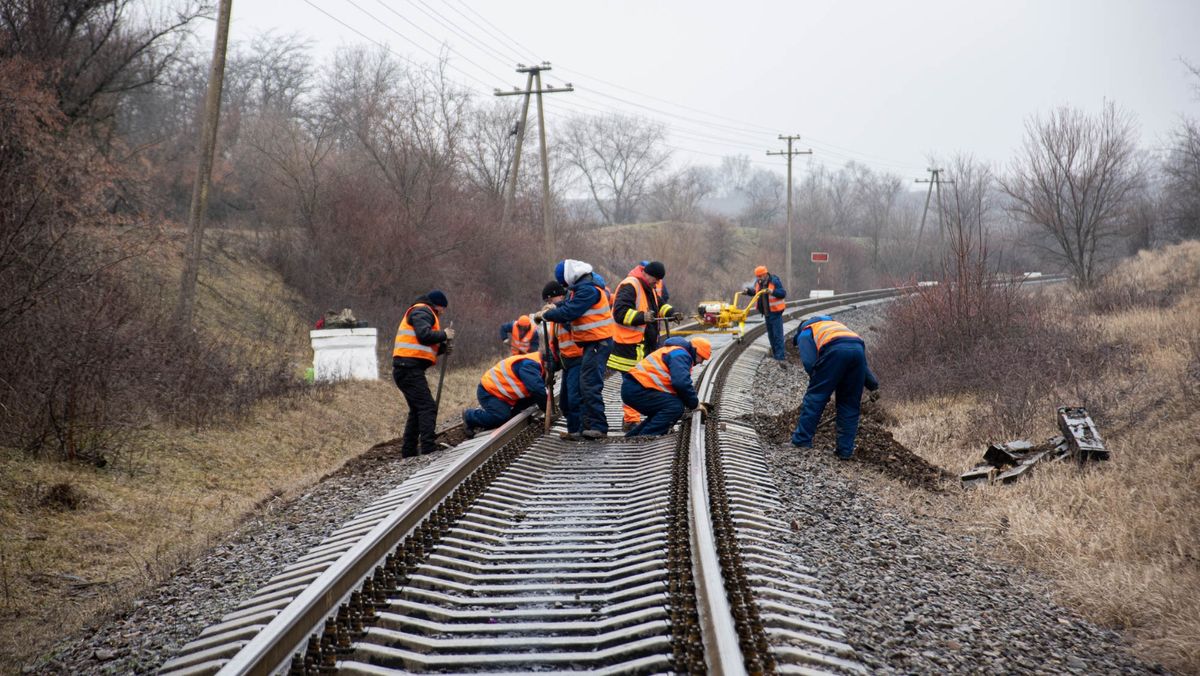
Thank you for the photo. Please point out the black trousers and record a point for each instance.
(422, 410)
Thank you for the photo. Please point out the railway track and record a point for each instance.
(517, 552)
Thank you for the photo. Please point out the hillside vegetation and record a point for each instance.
(78, 541)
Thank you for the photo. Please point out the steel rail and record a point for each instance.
(285, 635)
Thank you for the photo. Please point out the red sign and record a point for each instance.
(819, 256)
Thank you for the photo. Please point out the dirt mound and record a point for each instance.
(389, 451)
(876, 447)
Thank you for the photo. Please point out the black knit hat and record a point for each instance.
(437, 298)
(656, 269)
(553, 289)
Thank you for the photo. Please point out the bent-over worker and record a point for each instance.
(419, 340)
(521, 336)
(836, 361)
(660, 387)
(566, 358)
(588, 313)
(511, 386)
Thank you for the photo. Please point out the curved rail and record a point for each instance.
(261, 638)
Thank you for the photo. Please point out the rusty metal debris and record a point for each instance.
(1007, 462)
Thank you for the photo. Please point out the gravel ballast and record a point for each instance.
(912, 597)
(176, 611)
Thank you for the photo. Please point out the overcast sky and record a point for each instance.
(887, 83)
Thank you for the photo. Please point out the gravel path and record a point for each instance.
(175, 612)
(911, 597)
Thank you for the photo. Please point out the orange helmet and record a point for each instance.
(703, 347)
(760, 271)
(524, 320)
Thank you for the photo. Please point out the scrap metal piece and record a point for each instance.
(979, 476)
(1004, 455)
(1081, 434)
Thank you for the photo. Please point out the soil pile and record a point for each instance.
(875, 447)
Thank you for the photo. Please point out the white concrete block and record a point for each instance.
(820, 293)
(344, 354)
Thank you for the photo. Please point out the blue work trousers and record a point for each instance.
(591, 384)
(660, 410)
(841, 370)
(568, 395)
(774, 322)
(493, 411)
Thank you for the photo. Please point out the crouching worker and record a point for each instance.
(511, 386)
(836, 361)
(660, 386)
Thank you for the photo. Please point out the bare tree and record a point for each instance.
(1074, 178)
(490, 144)
(878, 196)
(733, 174)
(677, 196)
(617, 157)
(765, 193)
(1182, 184)
(96, 50)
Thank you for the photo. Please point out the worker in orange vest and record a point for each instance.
(836, 361)
(660, 386)
(420, 338)
(588, 312)
(514, 384)
(564, 356)
(771, 305)
(520, 336)
(637, 310)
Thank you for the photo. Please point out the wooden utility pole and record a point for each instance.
(511, 192)
(204, 153)
(535, 78)
(935, 182)
(787, 279)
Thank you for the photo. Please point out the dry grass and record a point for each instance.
(1122, 540)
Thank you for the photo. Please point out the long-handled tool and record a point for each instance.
(437, 402)
(548, 373)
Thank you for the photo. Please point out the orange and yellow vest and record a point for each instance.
(653, 372)
(564, 344)
(597, 322)
(503, 382)
(632, 335)
(520, 343)
(773, 304)
(407, 344)
(825, 331)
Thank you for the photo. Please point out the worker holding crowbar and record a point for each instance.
(419, 342)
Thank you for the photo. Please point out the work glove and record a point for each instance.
(677, 316)
(537, 316)
(505, 341)
(449, 334)
(648, 317)
(548, 307)
(749, 291)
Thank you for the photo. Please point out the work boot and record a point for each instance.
(409, 453)
(594, 434)
(570, 436)
(468, 431)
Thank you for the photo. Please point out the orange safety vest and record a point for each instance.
(825, 331)
(502, 380)
(407, 344)
(520, 344)
(773, 304)
(653, 372)
(597, 322)
(564, 343)
(632, 335)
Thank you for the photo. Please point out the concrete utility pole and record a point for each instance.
(535, 74)
(204, 152)
(787, 279)
(935, 181)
